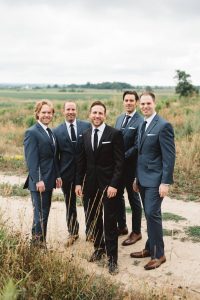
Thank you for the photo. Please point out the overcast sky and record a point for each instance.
(60, 41)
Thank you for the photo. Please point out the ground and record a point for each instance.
(179, 273)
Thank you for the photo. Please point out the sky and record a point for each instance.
(61, 42)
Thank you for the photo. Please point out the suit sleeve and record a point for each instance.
(118, 156)
(134, 149)
(168, 153)
(32, 155)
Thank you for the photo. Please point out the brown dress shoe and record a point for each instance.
(122, 231)
(155, 263)
(140, 254)
(132, 239)
(71, 239)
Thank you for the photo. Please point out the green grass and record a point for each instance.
(194, 233)
(169, 232)
(8, 190)
(167, 216)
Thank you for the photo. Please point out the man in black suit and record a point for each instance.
(99, 170)
(156, 159)
(40, 149)
(69, 139)
(128, 123)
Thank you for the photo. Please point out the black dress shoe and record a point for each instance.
(97, 255)
(113, 268)
(122, 231)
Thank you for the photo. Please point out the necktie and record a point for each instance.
(126, 121)
(73, 134)
(143, 128)
(95, 144)
(51, 136)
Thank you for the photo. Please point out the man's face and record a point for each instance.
(97, 115)
(147, 105)
(45, 115)
(70, 112)
(130, 103)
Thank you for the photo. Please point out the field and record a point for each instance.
(16, 114)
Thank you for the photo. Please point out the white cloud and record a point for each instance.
(79, 41)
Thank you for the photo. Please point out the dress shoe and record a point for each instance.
(140, 254)
(71, 239)
(155, 263)
(113, 268)
(122, 231)
(97, 255)
(132, 239)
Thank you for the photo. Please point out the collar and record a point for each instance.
(68, 123)
(101, 127)
(149, 119)
(132, 114)
(43, 126)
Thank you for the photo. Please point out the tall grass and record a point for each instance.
(184, 115)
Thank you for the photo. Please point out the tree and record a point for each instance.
(184, 86)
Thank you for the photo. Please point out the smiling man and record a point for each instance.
(156, 159)
(99, 170)
(69, 140)
(40, 151)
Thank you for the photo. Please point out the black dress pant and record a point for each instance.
(68, 189)
(101, 222)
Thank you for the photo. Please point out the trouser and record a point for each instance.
(135, 204)
(68, 189)
(41, 207)
(104, 229)
(152, 208)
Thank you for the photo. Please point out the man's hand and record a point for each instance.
(111, 192)
(58, 183)
(40, 186)
(78, 191)
(163, 190)
(135, 186)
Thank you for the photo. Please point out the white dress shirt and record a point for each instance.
(99, 133)
(69, 128)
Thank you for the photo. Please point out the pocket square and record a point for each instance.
(80, 134)
(151, 134)
(131, 128)
(106, 142)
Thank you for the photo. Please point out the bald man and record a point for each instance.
(69, 139)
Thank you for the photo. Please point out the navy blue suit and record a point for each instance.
(156, 159)
(130, 136)
(66, 156)
(42, 166)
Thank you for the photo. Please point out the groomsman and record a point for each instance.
(69, 139)
(40, 149)
(99, 170)
(156, 159)
(128, 123)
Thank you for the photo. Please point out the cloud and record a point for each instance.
(79, 41)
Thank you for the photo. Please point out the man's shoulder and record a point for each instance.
(58, 128)
(83, 123)
(111, 129)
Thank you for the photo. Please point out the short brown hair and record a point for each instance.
(131, 93)
(148, 94)
(39, 104)
(98, 103)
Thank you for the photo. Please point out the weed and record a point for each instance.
(194, 233)
(167, 216)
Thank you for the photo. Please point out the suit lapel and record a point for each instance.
(150, 127)
(45, 135)
(88, 140)
(103, 138)
(120, 122)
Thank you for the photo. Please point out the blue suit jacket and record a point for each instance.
(130, 137)
(40, 158)
(156, 154)
(66, 151)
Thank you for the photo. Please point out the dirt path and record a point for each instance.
(181, 271)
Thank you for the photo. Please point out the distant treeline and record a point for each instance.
(101, 86)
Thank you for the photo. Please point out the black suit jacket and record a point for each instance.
(130, 137)
(40, 158)
(66, 151)
(104, 167)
